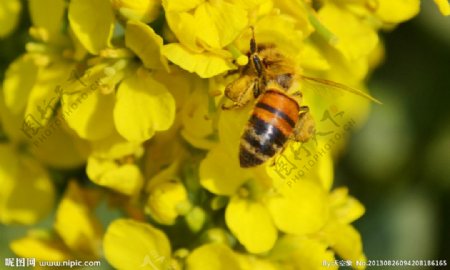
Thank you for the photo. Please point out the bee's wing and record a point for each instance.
(334, 112)
(326, 88)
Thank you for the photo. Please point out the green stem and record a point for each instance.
(322, 30)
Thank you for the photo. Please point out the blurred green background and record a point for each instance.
(398, 164)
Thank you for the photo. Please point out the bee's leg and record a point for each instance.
(303, 109)
(257, 89)
(305, 128)
(234, 71)
(247, 95)
(237, 104)
(279, 154)
(229, 107)
(273, 161)
(299, 94)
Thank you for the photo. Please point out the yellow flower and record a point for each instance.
(66, 241)
(338, 232)
(9, 16)
(48, 149)
(76, 207)
(206, 64)
(42, 245)
(197, 122)
(203, 24)
(251, 223)
(144, 105)
(92, 22)
(444, 6)
(146, 44)
(356, 39)
(47, 16)
(142, 10)
(397, 11)
(301, 252)
(204, 29)
(16, 90)
(131, 92)
(166, 196)
(213, 256)
(27, 193)
(129, 244)
(384, 12)
(113, 164)
(87, 105)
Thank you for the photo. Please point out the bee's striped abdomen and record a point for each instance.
(271, 123)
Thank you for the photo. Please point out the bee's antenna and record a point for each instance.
(252, 41)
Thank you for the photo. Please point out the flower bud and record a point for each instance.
(164, 200)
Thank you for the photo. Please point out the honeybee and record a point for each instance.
(272, 79)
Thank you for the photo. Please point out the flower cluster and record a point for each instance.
(128, 94)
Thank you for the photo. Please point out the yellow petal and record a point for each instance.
(231, 126)
(302, 161)
(345, 240)
(444, 6)
(92, 21)
(9, 16)
(220, 173)
(115, 147)
(47, 14)
(183, 26)
(250, 262)
(43, 98)
(325, 171)
(197, 123)
(144, 105)
(126, 179)
(345, 208)
(13, 124)
(297, 10)
(397, 11)
(27, 193)
(301, 209)
(180, 5)
(48, 144)
(142, 10)
(86, 109)
(146, 44)
(206, 64)
(163, 151)
(212, 257)
(42, 246)
(355, 39)
(251, 223)
(89, 114)
(15, 88)
(303, 253)
(278, 29)
(219, 23)
(84, 238)
(312, 58)
(179, 82)
(131, 245)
